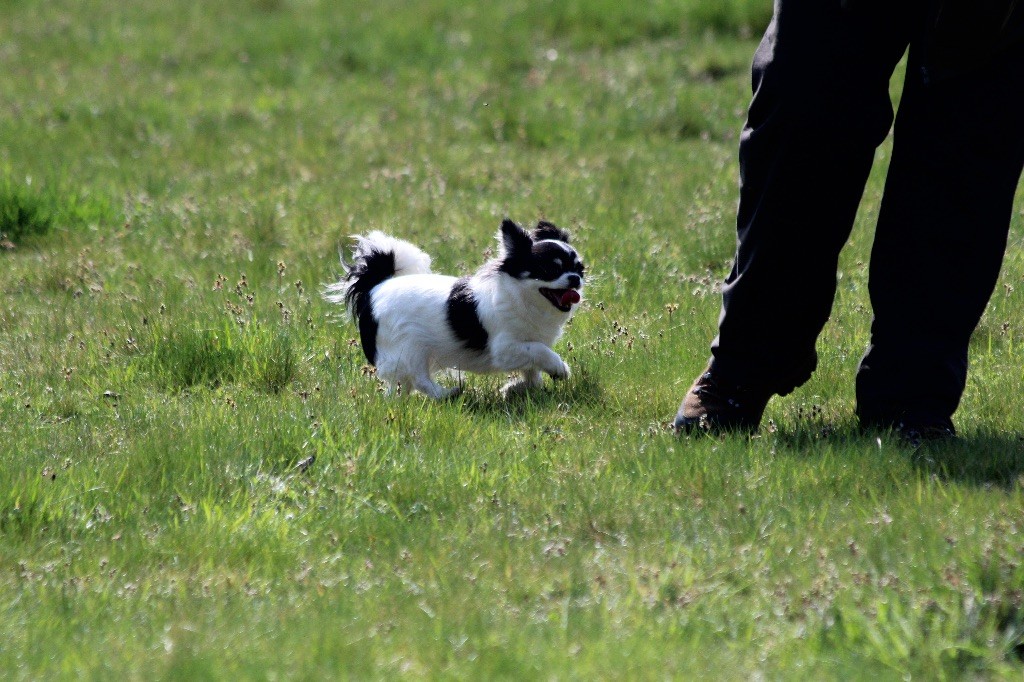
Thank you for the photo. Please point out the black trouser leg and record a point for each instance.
(820, 108)
(942, 229)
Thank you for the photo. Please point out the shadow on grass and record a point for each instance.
(983, 458)
(581, 390)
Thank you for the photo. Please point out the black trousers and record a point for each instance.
(820, 109)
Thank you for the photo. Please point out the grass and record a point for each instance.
(202, 479)
(22, 213)
(254, 356)
(28, 212)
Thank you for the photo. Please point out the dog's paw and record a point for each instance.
(561, 373)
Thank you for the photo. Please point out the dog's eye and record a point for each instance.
(545, 272)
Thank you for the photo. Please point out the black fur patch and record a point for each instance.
(463, 318)
(368, 334)
(548, 230)
(516, 245)
(367, 272)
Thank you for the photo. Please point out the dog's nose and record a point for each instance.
(574, 281)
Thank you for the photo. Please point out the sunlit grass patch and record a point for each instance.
(24, 212)
(254, 355)
(185, 357)
(29, 212)
(22, 513)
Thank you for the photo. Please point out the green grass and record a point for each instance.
(28, 212)
(200, 478)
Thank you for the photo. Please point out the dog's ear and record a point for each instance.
(514, 239)
(546, 230)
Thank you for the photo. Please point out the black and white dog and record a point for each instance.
(503, 318)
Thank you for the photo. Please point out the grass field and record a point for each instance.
(176, 179)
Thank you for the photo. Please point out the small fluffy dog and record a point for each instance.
(504, 318)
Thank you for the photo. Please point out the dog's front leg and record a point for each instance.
(528, 357)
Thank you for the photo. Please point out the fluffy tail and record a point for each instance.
(375, 258)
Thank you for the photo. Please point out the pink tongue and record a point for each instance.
(569, 297)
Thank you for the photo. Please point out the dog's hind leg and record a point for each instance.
(424, 384)
(532, 377)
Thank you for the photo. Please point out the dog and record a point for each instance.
(503, 318)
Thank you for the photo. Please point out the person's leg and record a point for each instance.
(942, 229)
(820, 108)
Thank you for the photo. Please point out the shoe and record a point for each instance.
(713, 406)
(915, 431)
(916, 435)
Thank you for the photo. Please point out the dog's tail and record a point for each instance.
(376, 257)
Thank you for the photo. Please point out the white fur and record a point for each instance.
(414, 339)
(409, 260)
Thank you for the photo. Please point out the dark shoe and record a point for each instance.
(714, 406)
(916, 435)
(915, 431)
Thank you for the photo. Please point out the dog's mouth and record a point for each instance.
(563, 299)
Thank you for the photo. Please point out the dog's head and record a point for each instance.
(542, 261)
